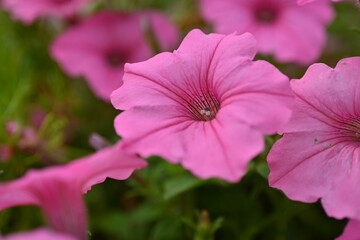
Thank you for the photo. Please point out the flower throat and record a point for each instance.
(203, 107)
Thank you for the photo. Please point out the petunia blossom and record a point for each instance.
(39, 234)
(289, 32)
(318, 156)
(29, 10)
(206, 105)
(351, 231)
(99, 47)
(58, 190)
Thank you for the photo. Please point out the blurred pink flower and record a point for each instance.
(6, 152)
(28, 138)
(12, 128)
(29, 10)
(290, 32)
(38, 234)
(57, 190)
(319, 154)
(206, 105)
(37, 117)
(97, 141)
(99, 47)
(351, 231)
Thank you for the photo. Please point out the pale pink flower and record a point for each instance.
(99, 47)
(205, 105)
(29, 10)
(58, 190)
(39, 234)
(319, 154)
(351, 231)
(290, 32)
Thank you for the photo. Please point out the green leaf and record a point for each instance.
(217, 224)
(180, 184)
(357, 30)
(263, 169)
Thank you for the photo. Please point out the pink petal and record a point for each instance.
(283, 37)
(260, 97)
(60, 200)
(309, 115)
(202, 146)
(165, 33)
(319, 154)
(162, 127)
(144, 81)
(302, 2)
(142, 86)
(38, 234)
(234, 17)
(221, 148)
(110, 162)
(57, 190)
(320, 10)
(343, 200)
(83, 49)
(351, 232)
(289, 32)
(306, 165)
(196, 41)
(28, 10)
(338, 97)
(16, 193)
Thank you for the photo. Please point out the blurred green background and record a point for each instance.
(163, 201)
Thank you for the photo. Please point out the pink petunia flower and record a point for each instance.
(290, 32)
(318, 156)
(58, 190)
(205, 105)
(38, 234)
(351, 231)
(99, 47)
(29, 10)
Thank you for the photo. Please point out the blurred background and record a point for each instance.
(48, 118)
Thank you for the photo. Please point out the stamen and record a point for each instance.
(203, 107)
(351, 128)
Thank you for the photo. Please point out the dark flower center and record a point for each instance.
(266, 14)
(352, 129)
(203, 107)
(115, 59)
(60, 2)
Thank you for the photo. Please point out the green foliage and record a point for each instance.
(179, 185)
